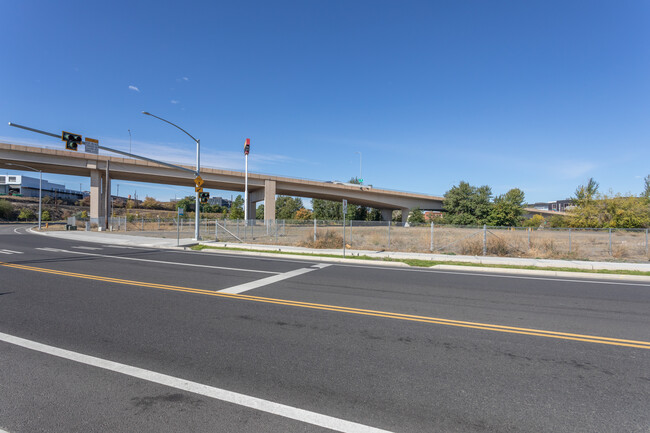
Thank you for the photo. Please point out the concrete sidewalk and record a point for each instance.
(158, 242)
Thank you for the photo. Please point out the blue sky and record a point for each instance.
(539, 95)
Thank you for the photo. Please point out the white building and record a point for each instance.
(27, 186)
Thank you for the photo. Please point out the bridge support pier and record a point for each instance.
(269, 200)
(405, 215)
(100, 186)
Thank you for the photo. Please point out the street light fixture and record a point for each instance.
(198, 169)
(40, 189)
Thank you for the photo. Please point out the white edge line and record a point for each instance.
(241, 288)
(196, 265)
(197, 388)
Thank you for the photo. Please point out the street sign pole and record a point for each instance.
(345, 210)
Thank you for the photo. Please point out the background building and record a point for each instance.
(27, 186)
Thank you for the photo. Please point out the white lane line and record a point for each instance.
(17, 232)
(196, 265)
(86, 248)
(262, 405)
(10, 252)
(266, 281)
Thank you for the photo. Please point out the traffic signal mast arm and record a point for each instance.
(144, 158)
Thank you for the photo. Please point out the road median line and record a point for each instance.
(351, 310)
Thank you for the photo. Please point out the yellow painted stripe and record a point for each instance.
(349, 310)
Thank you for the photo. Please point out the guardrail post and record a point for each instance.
(484, 239)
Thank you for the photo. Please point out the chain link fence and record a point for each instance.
(552, 243)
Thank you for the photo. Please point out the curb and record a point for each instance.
(352, 261)
(540, 272)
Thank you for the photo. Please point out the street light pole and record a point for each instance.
(40, 190)
(198, 171)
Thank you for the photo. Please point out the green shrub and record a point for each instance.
(26, 214)
(45, 216)
(6, 210)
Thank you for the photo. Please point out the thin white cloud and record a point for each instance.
(174, 101)
(182, 79)
(132, 87)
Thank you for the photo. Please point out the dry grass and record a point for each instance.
(324, 240)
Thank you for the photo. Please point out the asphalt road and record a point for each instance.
(191, 341)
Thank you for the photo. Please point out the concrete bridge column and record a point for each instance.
(386, 214)
(269, 200)
(97, 198)
(405, 214)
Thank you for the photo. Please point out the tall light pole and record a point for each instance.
(197, 219)
(247, 148)
(360, 174)
(40, 190)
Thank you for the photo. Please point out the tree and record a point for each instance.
(286, 207)
(303, 214)
(259, 212)
(6, 210)
(45, 216)
(373, 215)
(646, 191)
(327, 210)
(187, 203)
(467, 205)
(508, 209)
(586, 193)
(237, 209)
(151, 203)
(416, 216)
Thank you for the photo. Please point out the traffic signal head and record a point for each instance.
(71, 140)
(247, 146)
(203, 197)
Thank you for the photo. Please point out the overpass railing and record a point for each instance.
(371, 236)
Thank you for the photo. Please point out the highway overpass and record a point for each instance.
(103, 168)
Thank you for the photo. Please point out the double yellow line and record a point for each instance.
(375, 313)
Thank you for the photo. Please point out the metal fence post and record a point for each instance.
(158, 223)
(610, 241)
(238, 229)
(569, 240)
(431, 246)
(530, 229)
(343, 234)
(315, 230)
(142, 224)
(216, 229)
(484, 239)
(389, 234)
(646, 242)
(275, 223)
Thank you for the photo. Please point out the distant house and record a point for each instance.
(553, 206)
(27, 186)
(218, 201)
